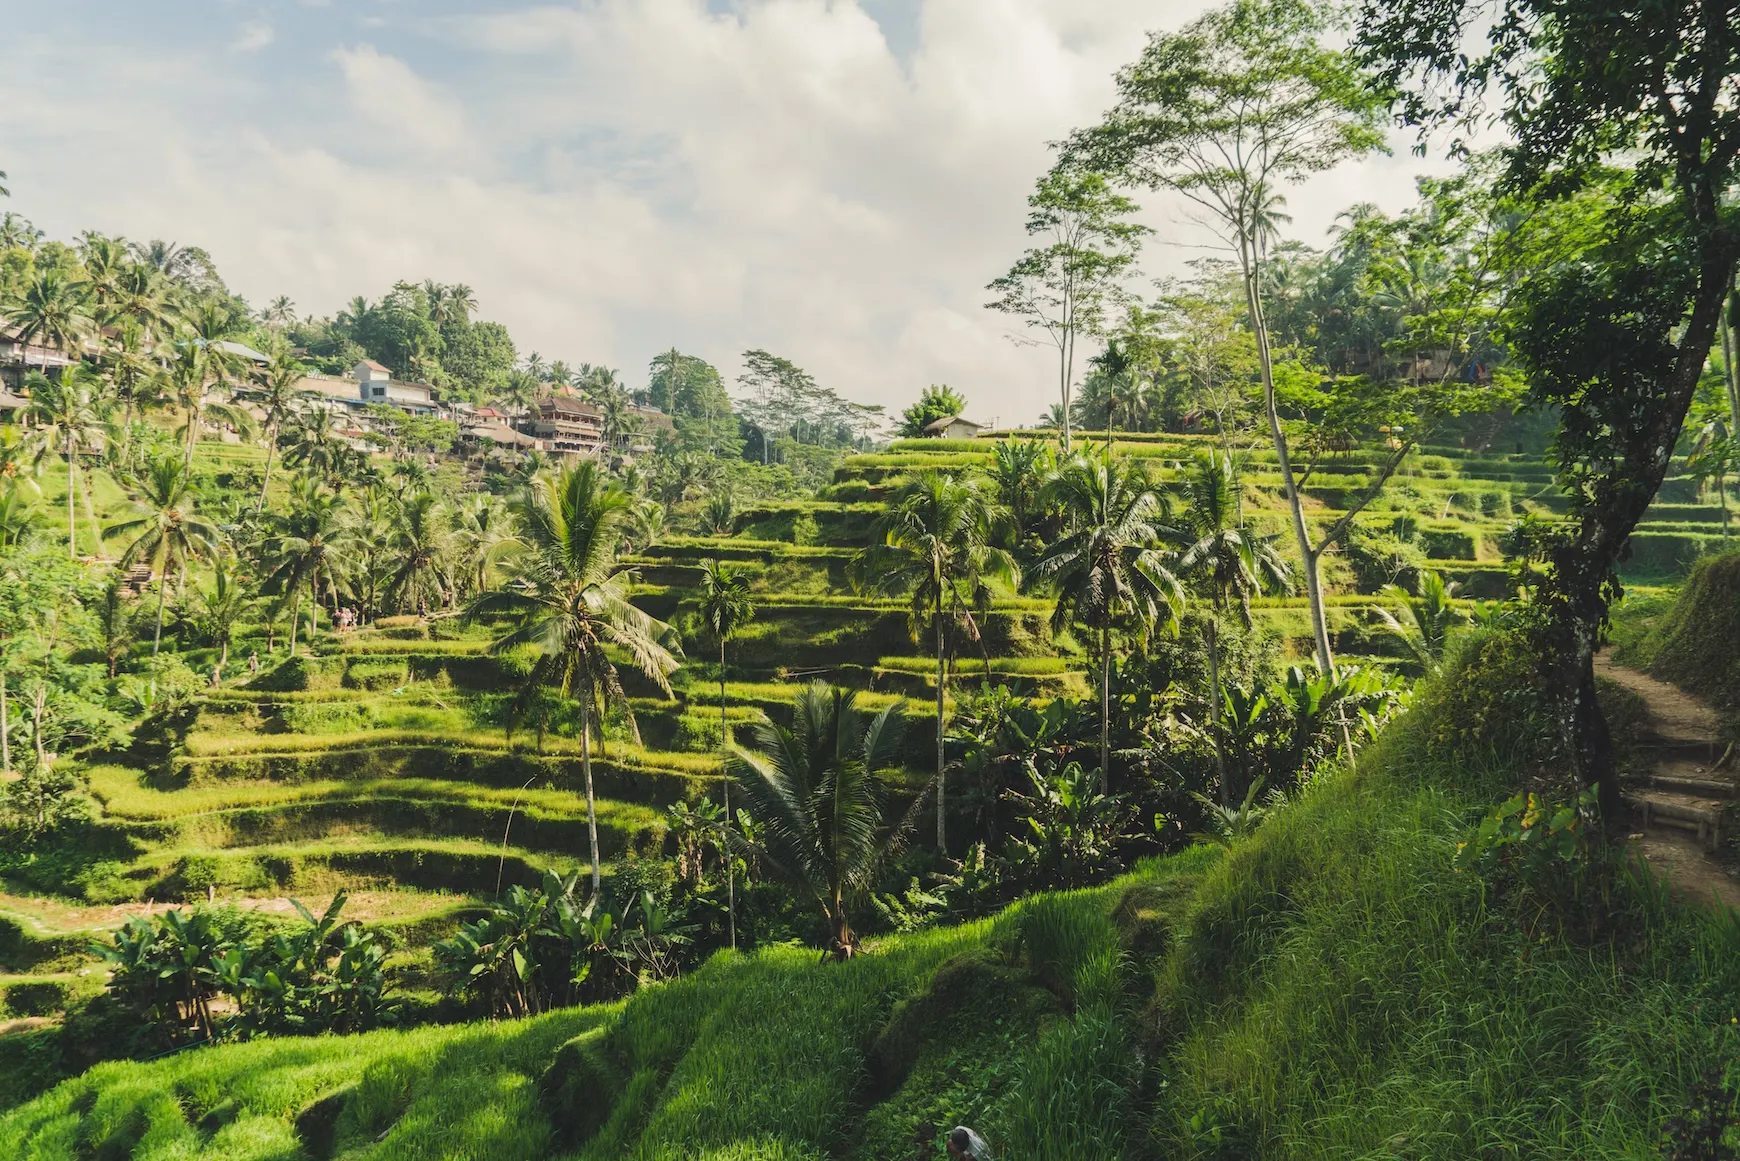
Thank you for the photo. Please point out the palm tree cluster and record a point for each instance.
(1119, 553)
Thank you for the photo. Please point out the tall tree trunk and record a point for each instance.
(5, 728)
(591, 802)
(295, 618)
(941, 682)
(1251, 269)
(266, 479)
(1211, 630)
(1065, 372)
(72, 540)
(162, 592)
(1105, 706)
(730, 859)
(91, 514)
(1730, 349)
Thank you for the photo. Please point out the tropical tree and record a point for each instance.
(935, 545)
(168, 531)
(192, 373)
(570, 601)
(816, 797)
(306, 548)
(70, 407)
(314, 445)
(280, 387)
(422, 547)
(1225, 111)
(1018, 472)
(1424, 618)
(484, 532)
(1065, 287)
(938, 401)
(1111, 563)
(726, 606)
(53, 309)
(222, 607)
(1229, 560)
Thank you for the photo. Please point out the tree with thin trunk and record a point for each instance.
(1233, 563)
(281, 391)
(1112, 563)
(52, 310)
(70, 407)
(1064, 288)
(168, 532)
(726, 606)
(935, 544)
(306, 547)
(222, 607)
(818, 803)
(1227, 110)
(570, 602)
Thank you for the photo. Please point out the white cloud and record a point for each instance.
(254, 35)
(619, 175)
(385, 91)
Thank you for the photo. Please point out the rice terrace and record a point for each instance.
(1283, 704)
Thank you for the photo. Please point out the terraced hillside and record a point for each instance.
(380, 761)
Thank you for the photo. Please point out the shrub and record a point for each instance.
(1698, 641)
(36, 997)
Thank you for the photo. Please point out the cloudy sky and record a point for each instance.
(832, 180)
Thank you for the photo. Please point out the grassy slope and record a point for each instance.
(1330, 989)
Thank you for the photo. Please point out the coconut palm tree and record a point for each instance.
(935, 544)
(726, 606)
(570, 601)
(1112, 562)
(281, 390)
(816, 793)
(315, 445)
(194, 371)
(422, 547)
(1425, 619)
(52, 310)
(485, 533)
(307, 547)
(168, 532)
(1231, 563)
(70, 408)
(222, 606)
(1018, 471)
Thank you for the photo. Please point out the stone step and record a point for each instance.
(1695, 781)
(1695, 813)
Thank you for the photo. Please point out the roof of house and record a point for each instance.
(949, 421)
(242, 350)
(373, 366)
(568, 405)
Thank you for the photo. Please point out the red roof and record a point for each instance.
(374, 366)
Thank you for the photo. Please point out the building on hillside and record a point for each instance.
(567, 424)
(18, 359)
(953, 427)
(243, 352)
(375, 384)
(649, 421)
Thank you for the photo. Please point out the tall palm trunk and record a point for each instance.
(72, 540)
(295, 619)
(266, 478)
(1250, 266)
(1211, 630)
(730, 861)
(591, 802)
(941, 676)
(162, 592)
(5, 728)
(1105, 706)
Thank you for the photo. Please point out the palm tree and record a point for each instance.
(222, 606)
(307, 546)
(422, 546)
(1231, 562)
(1018, 471)
(726, 606)
(570, 601)
(52, 310)
(69, 406)
(281, 390)
(817, 798)
(484, 534)
(314, 444)
(1111, 562)
(196, 368)
(167, 532)
(935, 543)
(1426, 618)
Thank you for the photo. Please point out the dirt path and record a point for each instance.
(1686, 742)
